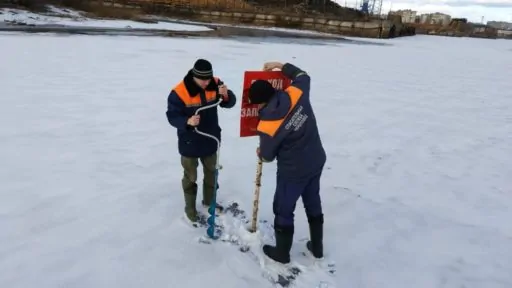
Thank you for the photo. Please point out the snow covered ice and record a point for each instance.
(417, 191)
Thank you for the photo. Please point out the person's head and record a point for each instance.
(260, 92)
(202, 73)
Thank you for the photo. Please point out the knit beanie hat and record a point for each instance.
(261, 91)
(202, 69)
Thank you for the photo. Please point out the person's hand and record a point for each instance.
(193, 121)
(223, 91)
(269, 66)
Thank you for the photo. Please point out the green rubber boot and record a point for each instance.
(209, 170)
(190, 203)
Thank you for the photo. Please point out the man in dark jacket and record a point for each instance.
(288, 131)
(199, 88)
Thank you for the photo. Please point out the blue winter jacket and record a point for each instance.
(288, 130)
(182, 103)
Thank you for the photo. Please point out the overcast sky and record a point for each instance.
(473, 10)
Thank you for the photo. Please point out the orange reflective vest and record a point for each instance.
(270, 127)
(194, 100)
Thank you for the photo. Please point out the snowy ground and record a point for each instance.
(68, 17)
(417, 191)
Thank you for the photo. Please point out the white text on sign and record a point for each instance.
(249, 112)
(253, 111)
(276, 83)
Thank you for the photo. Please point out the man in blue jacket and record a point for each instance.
(288, 131)
(198, 88)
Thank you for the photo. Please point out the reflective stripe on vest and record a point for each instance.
(190, 101)
(270, 127)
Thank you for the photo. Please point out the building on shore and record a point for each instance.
(408, 16)
(501, 25)
(411, 16)
(505, 34)
(435, 19)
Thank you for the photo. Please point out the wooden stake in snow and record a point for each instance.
(256, 202)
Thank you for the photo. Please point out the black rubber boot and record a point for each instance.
(208, 196)
(284, 239)
(190, 202)
(316, 233)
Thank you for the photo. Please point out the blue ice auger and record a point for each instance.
(210, 231)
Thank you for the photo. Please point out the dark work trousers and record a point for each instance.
(286, 196)
(189, 179)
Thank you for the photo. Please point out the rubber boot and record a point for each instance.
(190, 203)
(316, 233)
(284, 239)
(208, 196)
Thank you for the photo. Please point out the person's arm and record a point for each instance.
(268, 147)
(299, 77)
(175, 112)
(229, 100)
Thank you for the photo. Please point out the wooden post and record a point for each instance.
(256, 201)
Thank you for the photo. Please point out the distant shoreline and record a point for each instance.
(218, 32)
(43, 22)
